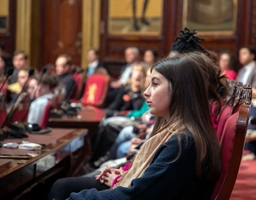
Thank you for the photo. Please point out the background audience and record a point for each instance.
(63, 71)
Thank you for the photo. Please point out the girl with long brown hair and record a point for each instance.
(181, 159)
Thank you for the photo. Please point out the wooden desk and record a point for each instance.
(61, 145)
(88, 117)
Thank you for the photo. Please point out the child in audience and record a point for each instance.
(130, 98)
(44, 93)
(183, 133)
(32, 87)
(225, 61)
(150, 57)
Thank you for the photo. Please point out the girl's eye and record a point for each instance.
(154, 83)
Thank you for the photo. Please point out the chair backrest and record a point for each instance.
(96, 90)
(79, 81)
(232, 145)
(20, 110)
(59, 96)
(230, 106)
(2, 109)
(46, 114)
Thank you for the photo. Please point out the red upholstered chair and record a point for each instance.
(232, 143)
(79, 80)
(46, 114)
(59, 96)
(96, 90)
(2, 109)
(20, 110)
(230, 107)
(2, 117)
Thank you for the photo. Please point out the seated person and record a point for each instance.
(94, 63)
(150, 57)
(130, 98)
(15, 88)
(32, 87)
(44, 93)
(182, 134)
(131, 56)
(3, 66)
(225, 64)
(20, 61)
(63, 71)
(135, 134)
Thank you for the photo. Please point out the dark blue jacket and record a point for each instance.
(163, 179)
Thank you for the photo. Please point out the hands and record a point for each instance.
(108, 175)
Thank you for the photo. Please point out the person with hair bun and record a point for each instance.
(181, 159)
(187, 41)
(44, 92)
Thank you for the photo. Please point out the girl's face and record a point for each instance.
(136, 78)
(149, 57)
(32, 85)
(224, 61)
(158, 95)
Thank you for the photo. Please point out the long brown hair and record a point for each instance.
(189, 107)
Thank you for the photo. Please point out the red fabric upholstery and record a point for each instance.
(95, 90)
(234, 120)
(78, 77)
(225, 113)
(46, 115)
(20, 115)
(2, 117)
(226, 148)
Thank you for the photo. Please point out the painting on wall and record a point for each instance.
(4, 5)
(135, 17)
(3, 23)
(209, 16)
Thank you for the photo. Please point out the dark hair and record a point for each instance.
(50, 80)
(153, 51)
(23, 53)
(96, 51)
(251, 49)
(188, 42)
(68, 58)
(189, 106)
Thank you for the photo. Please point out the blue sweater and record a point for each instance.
(163, 179)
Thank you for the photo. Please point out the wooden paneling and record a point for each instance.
(7, 38)
(62, 29)
(112, 47)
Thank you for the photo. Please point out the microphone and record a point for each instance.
(9, 73)
(30, 73)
